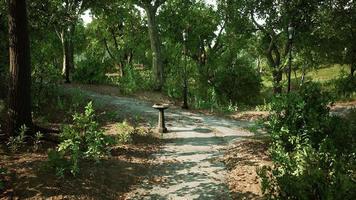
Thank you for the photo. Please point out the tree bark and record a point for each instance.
(274, 62)
(353, 62)
(68, 52)
(157, 64)
(19, 99)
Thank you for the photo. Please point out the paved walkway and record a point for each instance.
(188, 164)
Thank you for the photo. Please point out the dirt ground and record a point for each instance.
(242, 159)
(109, 179)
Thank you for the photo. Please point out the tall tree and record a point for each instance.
(65, 18)
(3, 49)
(151, 7)
(19, 99)
(272, 18)
(338, 29)
(118, 26)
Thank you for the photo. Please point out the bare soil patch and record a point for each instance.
(242, 159)
(111, 178)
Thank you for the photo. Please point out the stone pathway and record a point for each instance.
(189, 166)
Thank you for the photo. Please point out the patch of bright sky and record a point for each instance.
(87, 18)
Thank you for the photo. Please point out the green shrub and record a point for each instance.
(37, 141)
(313, 152)
(82, 140)
(45, 81)
(134, 80)
(345, 86)
(3, 172)
(125, 132)
(16, 142)
(238, 84)
(90, 71)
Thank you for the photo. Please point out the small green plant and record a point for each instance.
(82, 140)
(125, 132)
(16, 142)
(37, 141)
(264, 107)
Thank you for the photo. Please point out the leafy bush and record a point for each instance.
(90, 71)
(3, 172)
(16, 142)
(127, 133)
(134, 80)
(45, 81)
(82, 140)
(238, 84)
(313, 152)
(37, 141)
(345, 86)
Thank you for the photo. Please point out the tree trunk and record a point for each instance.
(68, 52)
(19, 99)
(353, 63)
(274, 62)
(277, 77)
(157, 66)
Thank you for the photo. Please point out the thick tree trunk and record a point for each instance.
(68, 52)
(157, 65)
(274, 62)
(19, 99)
(277, 78)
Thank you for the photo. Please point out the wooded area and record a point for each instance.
(67, 67)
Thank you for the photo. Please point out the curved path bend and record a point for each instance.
(189, 166)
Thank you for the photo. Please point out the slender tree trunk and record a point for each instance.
(157, 65)
(274, 63)
(65, 63)
(68, 52)
(353, 63)
(19, 99)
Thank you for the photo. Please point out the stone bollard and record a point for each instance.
(161, 127)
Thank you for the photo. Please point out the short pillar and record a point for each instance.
(161, 127)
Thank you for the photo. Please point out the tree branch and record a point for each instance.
(108, 50)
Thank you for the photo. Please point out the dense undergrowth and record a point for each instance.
(313, 152)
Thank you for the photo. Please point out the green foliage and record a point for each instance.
(45, 81)
(313, 152)
(37, 141)
(345, 86)
(239, 83)
(90, 70)
(16, 142)
(82, 140)
(3, 172)
(125, 132)
(134, 80)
